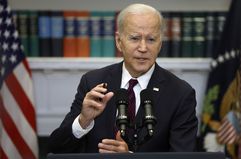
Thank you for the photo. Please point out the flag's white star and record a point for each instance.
(6, 34)
(3, 59)
(15, 34)
(8, 21)
(232, 53)
(5, 46)
(227, 56)
(1, 8)
(13, 58)
(220, 59)
(15, 46)
(214, 63)
(2, 71)
(8, 9)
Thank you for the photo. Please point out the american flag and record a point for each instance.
(229, 130)
(18, 134)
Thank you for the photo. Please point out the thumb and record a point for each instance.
(118, 136)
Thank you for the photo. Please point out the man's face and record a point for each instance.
(140, 42)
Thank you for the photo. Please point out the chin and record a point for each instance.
(141, 71)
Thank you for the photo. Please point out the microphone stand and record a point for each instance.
(136, 142)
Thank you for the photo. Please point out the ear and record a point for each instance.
(118, 41)
(160, 46)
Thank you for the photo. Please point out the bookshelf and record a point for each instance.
(62, 30)
(110, 5)
(56, 79)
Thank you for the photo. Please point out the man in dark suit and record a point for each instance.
(90, 124)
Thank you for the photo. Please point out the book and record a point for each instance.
(44, 25)
(23, 23)
(220, 18)
(198, 34)
(95, 34)
(108, 40)
(57, 33)
(83, 33)
(175, 29)
(186, 34)
(69, 40)
(33, 34)
(165, 49)
(209, 31)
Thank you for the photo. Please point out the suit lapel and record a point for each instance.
(155, 84)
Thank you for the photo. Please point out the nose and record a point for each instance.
(142, 46)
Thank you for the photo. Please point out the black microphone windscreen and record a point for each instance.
(146, 94)
(121, 95)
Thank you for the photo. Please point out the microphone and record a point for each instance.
(146, 103)
(122, 120)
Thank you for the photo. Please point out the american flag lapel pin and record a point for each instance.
(155, 89)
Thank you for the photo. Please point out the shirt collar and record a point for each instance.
(143, 80)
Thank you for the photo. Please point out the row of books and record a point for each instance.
(91, 33)
(192, 34)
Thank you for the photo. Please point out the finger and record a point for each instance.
(105, 151)
(118, 136)
(111, 142)
(107, 97)
(102, 88)
(93, 94)
(107, 147)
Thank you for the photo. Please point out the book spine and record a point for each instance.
(186, 36)
(44, 33)
(198, 34)
(70, 42)
(209, 29)
(95, 34)
(165, 49)
(23, 23)
(57, 32)
(108, 40)
(220, 18)
(33, 34)
(175, 34)
(83, 34)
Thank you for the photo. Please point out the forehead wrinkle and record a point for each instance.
(134, 27)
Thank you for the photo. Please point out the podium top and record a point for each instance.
(164, 155)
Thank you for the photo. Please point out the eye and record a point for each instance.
(151, 40)
(134, 38)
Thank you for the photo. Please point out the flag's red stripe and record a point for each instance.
(24, 103)
(26, 65)
(15, 136)
(2, 154)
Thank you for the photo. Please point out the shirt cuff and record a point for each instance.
(78, 131)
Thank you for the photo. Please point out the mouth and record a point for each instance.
(141, 59)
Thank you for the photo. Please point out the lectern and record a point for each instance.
(164, 155)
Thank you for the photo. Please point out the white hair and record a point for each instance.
(137, 9)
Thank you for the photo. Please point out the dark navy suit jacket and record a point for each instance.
(174, 107)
